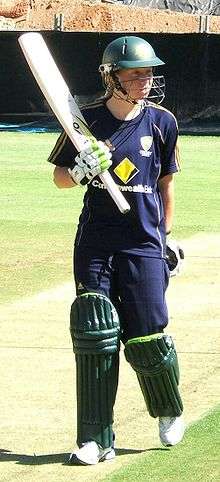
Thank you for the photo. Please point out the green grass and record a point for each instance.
(197, 186)
(38, 225)
(38, 221)
(196, 459)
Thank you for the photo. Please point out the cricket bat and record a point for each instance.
(58, 96)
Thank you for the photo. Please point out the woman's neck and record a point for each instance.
(123, 109)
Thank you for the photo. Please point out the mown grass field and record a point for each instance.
(38, 220)
(195, 459)
(38, 224)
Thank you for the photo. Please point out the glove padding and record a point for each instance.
(174, 257)
(91, 162)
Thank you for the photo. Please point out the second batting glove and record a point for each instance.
(91, 162)
(174, 257)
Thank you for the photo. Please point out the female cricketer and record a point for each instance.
(120, 267)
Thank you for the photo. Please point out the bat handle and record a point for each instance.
(114, 192)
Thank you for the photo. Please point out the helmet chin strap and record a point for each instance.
(119, 88)
(127, 97)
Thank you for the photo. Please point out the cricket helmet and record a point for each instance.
(127, 53)
(130, 53)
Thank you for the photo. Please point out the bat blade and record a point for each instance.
(61, 101)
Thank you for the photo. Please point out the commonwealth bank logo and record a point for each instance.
(126, 170)
(146, 143)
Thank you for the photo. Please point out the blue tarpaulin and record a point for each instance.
(34, 126)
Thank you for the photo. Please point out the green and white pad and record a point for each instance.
(95, 331)
(155, 361)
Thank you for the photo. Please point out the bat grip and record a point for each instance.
(114, 192)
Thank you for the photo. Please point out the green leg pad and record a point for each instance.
(155, 361)
(94, 327)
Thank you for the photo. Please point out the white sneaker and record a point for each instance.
(90, 454)
(171, 430)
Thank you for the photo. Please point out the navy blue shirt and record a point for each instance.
(144, 149)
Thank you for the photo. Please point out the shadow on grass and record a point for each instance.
(8, 456)
(133, 451)
(22, 459)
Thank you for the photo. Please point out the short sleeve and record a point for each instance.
(170, 162)
(63, 153)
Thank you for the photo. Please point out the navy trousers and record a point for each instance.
(136, 286)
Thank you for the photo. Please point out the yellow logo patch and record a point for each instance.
(126, 170)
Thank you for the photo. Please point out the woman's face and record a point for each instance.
(136, 82)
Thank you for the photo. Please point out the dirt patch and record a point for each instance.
(101, 17)
(14, 8)
(38, 406)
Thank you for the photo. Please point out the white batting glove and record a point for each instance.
(91, 162)
(174, 257)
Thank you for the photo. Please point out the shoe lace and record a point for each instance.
(167, 421)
